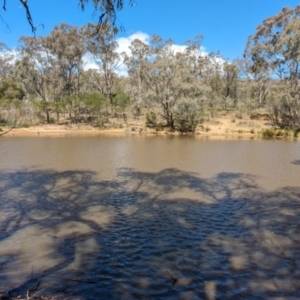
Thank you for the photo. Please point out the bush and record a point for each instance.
(121, 101)
(151, 120)
(188, 125)
(282, 133)
(268, 133)
(296, 132)
(187, 116)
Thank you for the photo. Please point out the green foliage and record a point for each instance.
(296, 133)
(43, 105)
(121, 101)
(95, 102)
(268, 133)
(151, 119)
(274, 53)
(10, 90)
(3, 122)
(10, 104)
(272, 133)
(186, 125)
(187, 116)
(282, 133)
(58, 106)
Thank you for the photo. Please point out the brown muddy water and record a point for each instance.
(149, 218)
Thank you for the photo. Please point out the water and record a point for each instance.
(149, 218)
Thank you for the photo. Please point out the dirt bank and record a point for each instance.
(223, 127)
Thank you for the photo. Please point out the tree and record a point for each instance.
(275, 54)
(67, 48)
(139, 53)
(170, 79)
(5, 59)
(107, 10)
(33, 70)
(10, 90)
(103, 49)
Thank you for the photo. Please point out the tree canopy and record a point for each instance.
(275, 54)
(79, 74)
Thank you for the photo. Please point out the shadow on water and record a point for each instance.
(145, 235)
(296, 162)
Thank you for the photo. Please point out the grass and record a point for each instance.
(268, 133)
(274, 133)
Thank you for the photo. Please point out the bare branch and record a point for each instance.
(28, 15)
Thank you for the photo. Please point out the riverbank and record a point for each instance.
(224, 127)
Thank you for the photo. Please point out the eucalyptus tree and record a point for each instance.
(95, 102)
(230, 75)
(252, 88)
(67, 48)
(172, 82)
(6, 58)
(275, 53)
(134, 60)
(107, 8)
(33, 70)
(103, 48)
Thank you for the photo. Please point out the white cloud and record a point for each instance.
(124, 42)
(123, 47)
(12, 55)
(89, 62)
(178, 48)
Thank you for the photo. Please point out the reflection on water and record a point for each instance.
(134, 233)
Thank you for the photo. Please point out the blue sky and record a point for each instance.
(225, 24)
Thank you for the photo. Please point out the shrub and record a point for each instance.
(268, 133)
(151, 119)
(296, 132)
(187, 116)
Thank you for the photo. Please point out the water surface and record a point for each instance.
(150, 217)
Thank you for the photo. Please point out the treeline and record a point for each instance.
(48, 82)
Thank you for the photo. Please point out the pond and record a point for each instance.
(149, 218)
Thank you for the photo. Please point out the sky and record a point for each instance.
(225, 24)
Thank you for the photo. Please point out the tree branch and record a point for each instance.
(28, 15)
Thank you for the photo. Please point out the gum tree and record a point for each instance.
(274, 50)
(102, 47)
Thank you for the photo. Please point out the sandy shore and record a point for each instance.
(224, 127)
(57, 130)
